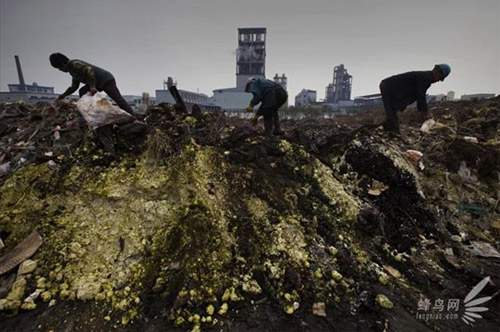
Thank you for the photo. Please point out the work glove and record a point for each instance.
(250, 108)
(255, 120)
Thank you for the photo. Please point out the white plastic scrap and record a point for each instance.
(57, 135)
(471, 139)
(53, 165)
(4, 168)
(427, 126)
(466, 174)
(98, 111)
(33, 296)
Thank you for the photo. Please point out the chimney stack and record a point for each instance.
(19, 72)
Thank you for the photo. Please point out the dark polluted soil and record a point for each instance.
(408, 244)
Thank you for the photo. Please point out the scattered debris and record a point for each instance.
(451, 258)
(427, 126)
(13, 301)
(203, 214)
(21, 252)
(483, 249)
(392, 271)
(318, 309)
(416, 157)
(471, 139)
(53, 165)
(384, 301)
(466, 174)
(473, 209)
(33, 296)
(27, 266)
(4, 169)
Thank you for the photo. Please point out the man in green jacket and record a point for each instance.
(271, 96)
(94, 78)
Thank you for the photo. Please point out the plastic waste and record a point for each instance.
(473, 209)
(4, 168)
(53, 165)
(466, 174)
(427, 126)
(483, 249)
(57, 135)
(471, 139)
(32, 297)
(98, 111)
(318, 309)
(416, 157)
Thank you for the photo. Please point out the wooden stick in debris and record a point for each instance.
(21, 252)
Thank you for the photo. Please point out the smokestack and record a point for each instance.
(19, 71)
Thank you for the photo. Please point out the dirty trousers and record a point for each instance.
(270, 118)
(391, 113)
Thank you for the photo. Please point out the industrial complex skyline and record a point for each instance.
(194, 41)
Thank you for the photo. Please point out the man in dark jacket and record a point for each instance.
(94, 78)
(271, 96)
(401, 90)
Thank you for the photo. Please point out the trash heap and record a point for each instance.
(202, 223)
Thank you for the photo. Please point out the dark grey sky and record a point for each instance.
(194, 41)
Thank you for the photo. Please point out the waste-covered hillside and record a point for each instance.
(201, 223)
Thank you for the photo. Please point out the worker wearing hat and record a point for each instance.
(271, 96)
(401, 90)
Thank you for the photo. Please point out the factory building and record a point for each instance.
(477, 96)
(28, 93)
(250, 55)
(140, 103)
(305, 98)
(190, 98)
(340, 89)
(250, 62)
(164, 96)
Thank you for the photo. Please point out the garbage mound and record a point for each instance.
(201, 223)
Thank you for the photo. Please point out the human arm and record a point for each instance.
(422, 99)
(74, 85)
(257, 94)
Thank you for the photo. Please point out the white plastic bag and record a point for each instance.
(98, 111)
(427, 126)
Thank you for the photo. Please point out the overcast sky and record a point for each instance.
(194, 41)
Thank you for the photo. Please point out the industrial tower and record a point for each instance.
(341, 87)
(251, 55)
(281, 80)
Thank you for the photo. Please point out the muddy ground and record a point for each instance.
(200, 223)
